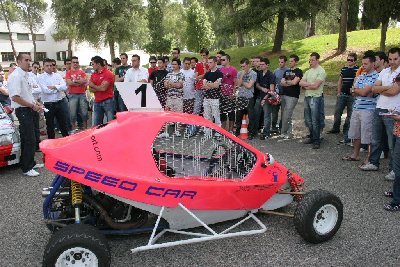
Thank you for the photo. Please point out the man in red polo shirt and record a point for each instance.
(102, 84)
(76, 81)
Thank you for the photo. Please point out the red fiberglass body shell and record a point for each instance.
(117, 159)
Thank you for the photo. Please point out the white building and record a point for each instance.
(45, 44)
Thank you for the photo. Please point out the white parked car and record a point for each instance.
(10, 144)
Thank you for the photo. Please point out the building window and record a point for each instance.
(22, 36)
(40, 37)
(4, 36)
(40, 56)
(7, 56)
(61, 55)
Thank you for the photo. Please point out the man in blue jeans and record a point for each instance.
(313, 82)
(102, 85)
(265, 83)
(344, 98)
(388, 99)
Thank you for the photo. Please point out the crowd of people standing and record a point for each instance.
(212, 87)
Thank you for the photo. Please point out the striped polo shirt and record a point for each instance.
(365, 102)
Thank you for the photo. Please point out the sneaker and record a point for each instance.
(177, 134)
(363, 150)
(307, 141)
(369, 167)
(38, 165)
(392, 207)
(287, 137)
(163, 135)
(274, 130)
(31, 173)
(390, 176)
(315, 146)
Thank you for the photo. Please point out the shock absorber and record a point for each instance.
(76, 199)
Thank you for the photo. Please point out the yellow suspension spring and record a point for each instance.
(76, 192)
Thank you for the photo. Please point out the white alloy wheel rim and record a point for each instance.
(325, 219)
(77, 256)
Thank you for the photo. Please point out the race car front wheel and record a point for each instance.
(318, 216)
(77, 245)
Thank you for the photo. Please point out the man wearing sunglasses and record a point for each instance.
(344, 97)
(77, 81)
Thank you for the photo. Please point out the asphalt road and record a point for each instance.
(368, 236)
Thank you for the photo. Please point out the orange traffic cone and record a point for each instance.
(244, 134)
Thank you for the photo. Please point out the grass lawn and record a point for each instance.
(325, 45)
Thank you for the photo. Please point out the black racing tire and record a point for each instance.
(77, 242)
(318, 216)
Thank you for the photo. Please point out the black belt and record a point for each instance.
(52, 103)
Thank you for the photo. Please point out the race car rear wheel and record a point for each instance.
(318, 216)
(77, 245)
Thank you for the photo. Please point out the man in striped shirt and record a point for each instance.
(344, 98)
(363, 109)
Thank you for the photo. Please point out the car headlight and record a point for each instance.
(6, 139)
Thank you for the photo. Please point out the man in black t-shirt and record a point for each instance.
(290, 95)
(157, 78)
(265, 83)
(212, 91)
(119, 77)
(344, 98)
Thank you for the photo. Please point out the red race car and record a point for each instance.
(184, 170)
(10, 145)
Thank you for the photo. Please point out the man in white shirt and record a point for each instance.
(53, 87)
(386, 102)
(136, 73)
(188, 87)
(22, 100)
(37, 92)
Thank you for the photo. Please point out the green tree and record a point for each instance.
(377, 13)
(158, 44)
(101, 21)
(175, 22)
(67, 32)
(384, 11)
(368, 20)
(9, 12)
(32, 12)
(199, 31)
(352, 18)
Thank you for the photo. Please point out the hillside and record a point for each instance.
(358, 41)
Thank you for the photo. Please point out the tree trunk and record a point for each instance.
(312, 24)
(34, 42)
(239, 38)
(5, 16)
(342, 41)
(70, 41)
(111, 44)
(280, 28)
(383, 34)
(238, 32)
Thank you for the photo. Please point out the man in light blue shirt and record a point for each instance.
(52, 86)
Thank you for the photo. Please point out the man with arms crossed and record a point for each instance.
(313, 82)
(22, 101)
